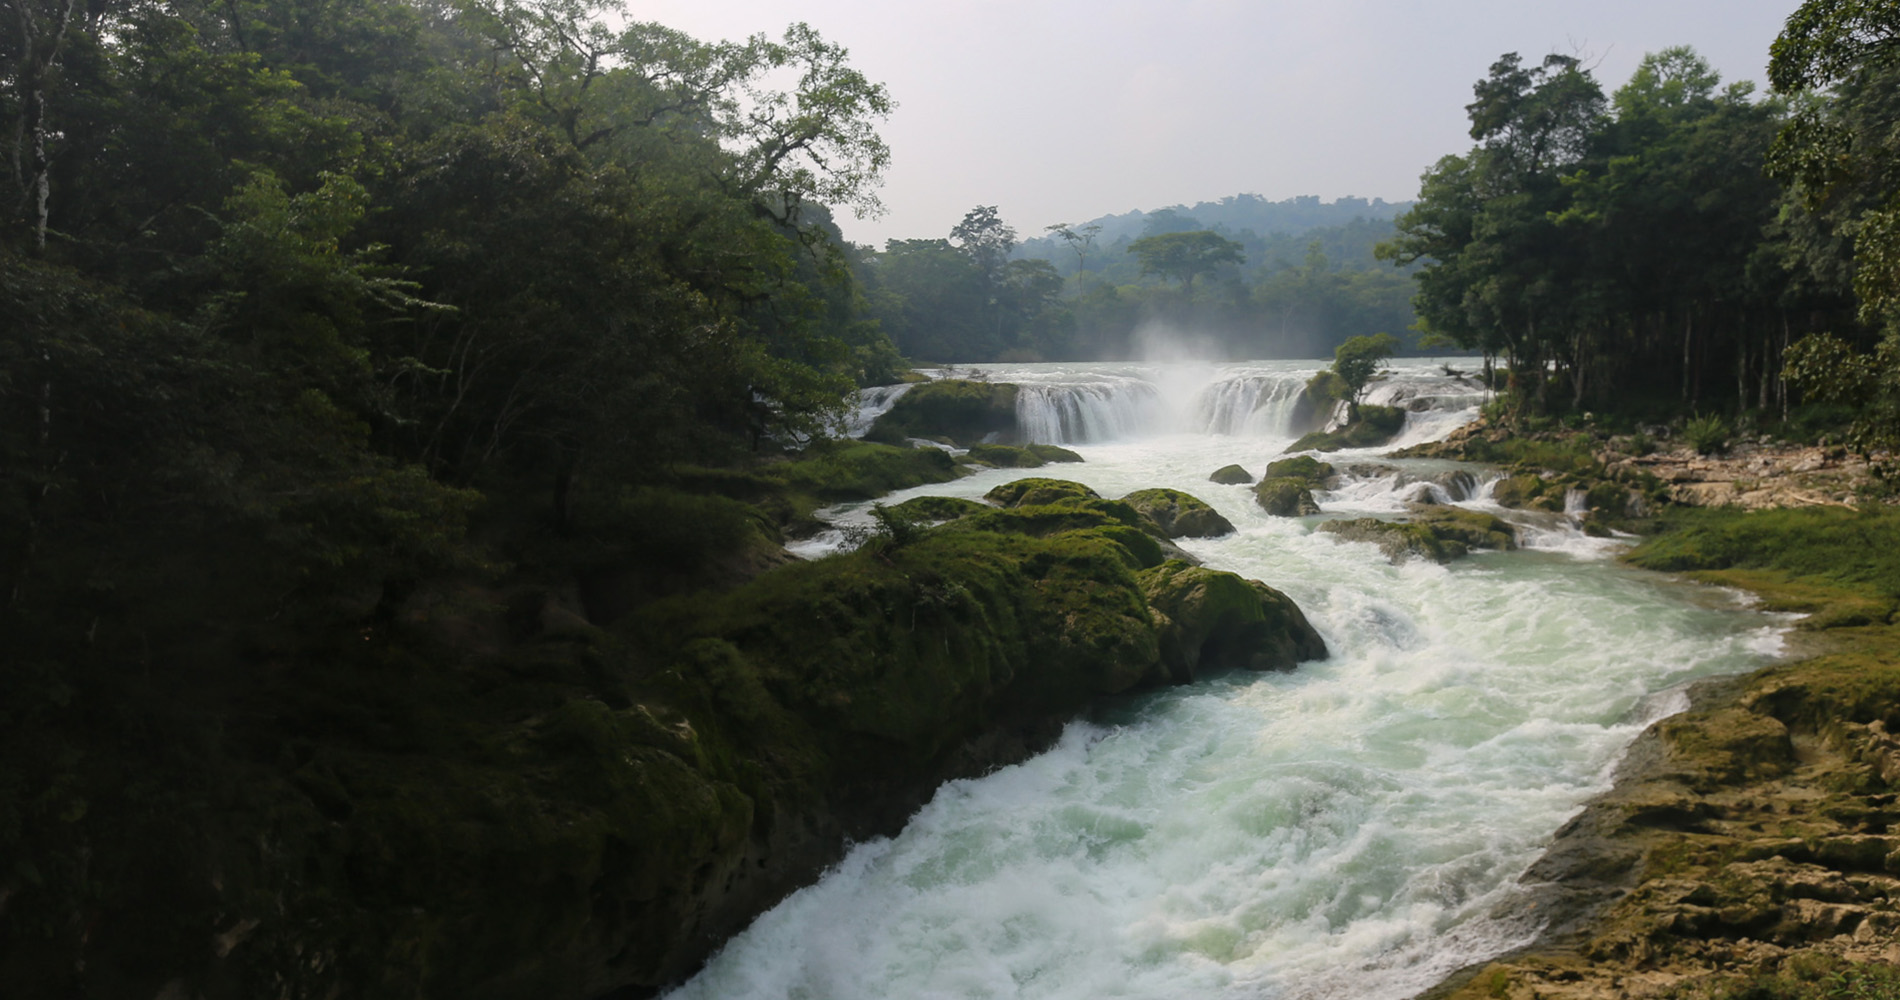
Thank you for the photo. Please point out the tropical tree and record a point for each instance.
(1186, 255)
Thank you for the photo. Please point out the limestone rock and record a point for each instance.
(1285, 497)
(1178, 514)
(1231, 475)
(1209, 618)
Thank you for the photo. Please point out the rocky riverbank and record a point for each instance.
(1747, 848)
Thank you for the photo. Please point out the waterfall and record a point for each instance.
(872, 404)
(1251, 405)
(1353, 828)
(1084, 412)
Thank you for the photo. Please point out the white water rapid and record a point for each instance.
(1354, 828)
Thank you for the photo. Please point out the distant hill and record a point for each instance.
(1242, 212)
(1276, 234)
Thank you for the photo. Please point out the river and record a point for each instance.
(1353, 828)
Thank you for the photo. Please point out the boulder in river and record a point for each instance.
(1440, 534)
(1209, 618)
(1178, 514)
(1231, 475)
(1285, 496)
(1035, 491)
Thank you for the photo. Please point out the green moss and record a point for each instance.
(1033, 492)
(1303, 467)
(1285, 497)
(938, 508)
(1178, 514)
(1439, 534)
(1855, 550)
(862, 470)
(1052, 453)
(1005, 456)
(953, 409)
(1231, 475)
(1376, 425)
(1472, 528)
(1210, 618)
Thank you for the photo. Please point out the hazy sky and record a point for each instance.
(1063, 110)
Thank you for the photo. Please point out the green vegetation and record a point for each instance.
(956, 410)
(1288, 280)
(1774, 785)
(1627, 252)
(1374, 426)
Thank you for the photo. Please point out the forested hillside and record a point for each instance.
(1663, 248)
(1287, 279)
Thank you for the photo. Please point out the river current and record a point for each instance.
(1354, 828)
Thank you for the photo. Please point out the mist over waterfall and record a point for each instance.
(1354, 828)
(1070, 404)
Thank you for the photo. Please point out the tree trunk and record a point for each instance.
(41, 46)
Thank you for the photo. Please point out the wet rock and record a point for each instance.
(1285, 497)
(1231, 475)
(1178, 514)
(1209, 618)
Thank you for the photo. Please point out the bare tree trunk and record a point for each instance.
(41, 46)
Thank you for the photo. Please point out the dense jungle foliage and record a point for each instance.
(1668, 247)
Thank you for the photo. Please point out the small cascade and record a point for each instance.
(872, 404)
(1250, 405)
(1085, 412)
(1576, 502)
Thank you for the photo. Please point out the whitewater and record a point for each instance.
(1356, 827)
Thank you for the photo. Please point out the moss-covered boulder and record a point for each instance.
(958, 410)
(1178, 514)
(1033, 491)
(1052, 453)
(1376, 425)
(1440, 534)
(1231, 475)
(1211, 619)
(1302, 467)
(1006, 456)
(923, 509)
(1111, 520)
(1528, 491)
(1285, 497)
(1473, 528)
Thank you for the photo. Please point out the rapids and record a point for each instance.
(1353, 828)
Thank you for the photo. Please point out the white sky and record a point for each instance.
(1064, 110)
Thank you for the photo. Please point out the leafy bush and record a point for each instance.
(1707, 435)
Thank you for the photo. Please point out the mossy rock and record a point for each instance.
(1376, 425)
(1528, 491)
(1052, 453)
(918, 509)
(1005, 456)
(1285, 497)
(963, 411)
(1109, 520)
(1179, 515)
(1034, 492)
(1231, 475)
(1303, 467)
(863, 470)
(1397, 539)
(1213, 619)
(1472, 528)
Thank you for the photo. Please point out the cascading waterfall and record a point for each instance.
(1353, 828)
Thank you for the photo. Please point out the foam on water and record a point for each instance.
(1352, 828)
